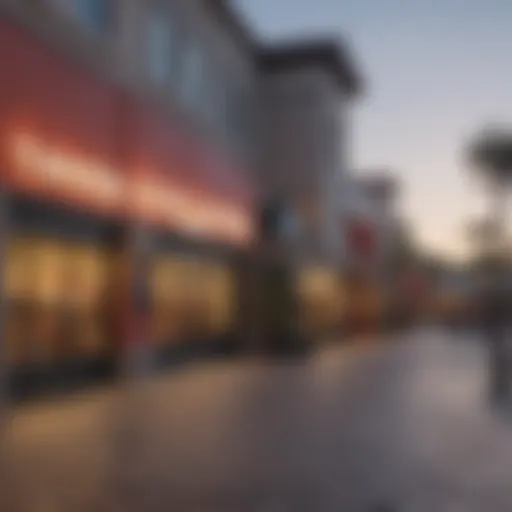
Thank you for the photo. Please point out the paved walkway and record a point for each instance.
(406, 424)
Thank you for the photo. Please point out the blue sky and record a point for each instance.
(437, 70)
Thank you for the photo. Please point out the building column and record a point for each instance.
(134, 301)
(5, 230)
(10, 492)
(131, 431)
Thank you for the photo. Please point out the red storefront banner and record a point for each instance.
(68, 137)
(415, 284)
(362, 240)
(38, 168)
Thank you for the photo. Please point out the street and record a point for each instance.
(402, 423)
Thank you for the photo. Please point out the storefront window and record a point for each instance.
(193, 300)
(82, 308)
(223, 301)
(54, 293)
(322, 302)
(18, 290)
(167, 289)
(33, 288)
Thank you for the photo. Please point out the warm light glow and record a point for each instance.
(34, 159)
(49, 168)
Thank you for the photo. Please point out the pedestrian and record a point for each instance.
(495, 305)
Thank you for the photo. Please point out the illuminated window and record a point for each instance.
(221, 300)
(48, 264)
(34, 288)
(169, 284)
(18, 277)
(55, 293)
(85, 286)
(86, 276)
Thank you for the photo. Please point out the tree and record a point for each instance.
(404, 251)
(479, 232)
(490, 154)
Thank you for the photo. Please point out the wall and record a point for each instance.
(73, 132)
(119, 56)
(304, 158)
(379, 212)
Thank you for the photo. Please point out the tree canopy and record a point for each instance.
(490, 153)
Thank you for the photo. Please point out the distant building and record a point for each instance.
(457, 281)
(373, 199)
(308, 90)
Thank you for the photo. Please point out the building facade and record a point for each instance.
(373, 200)
(137, 142)
(308, 89)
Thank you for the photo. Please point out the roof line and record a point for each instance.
(330, 52)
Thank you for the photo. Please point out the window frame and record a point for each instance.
(160, 20)
(88, 15)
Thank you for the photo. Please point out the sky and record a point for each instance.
(436, 72)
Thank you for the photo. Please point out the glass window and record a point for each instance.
(169, 283)
(82, 330)
(193, 85)
(159, 47)
(96, 14)
(55, 295)
(33, 292)
(193, 299)
(240, 118)
(215, 97)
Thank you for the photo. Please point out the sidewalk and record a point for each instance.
(402, 422)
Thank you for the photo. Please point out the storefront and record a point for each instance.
(59, 283)
(84, 167)
(323, 302)
(193, 298)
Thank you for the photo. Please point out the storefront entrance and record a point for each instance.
(63, 281)
(60, 278)
(193, 298)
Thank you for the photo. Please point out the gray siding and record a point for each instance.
(304, 135)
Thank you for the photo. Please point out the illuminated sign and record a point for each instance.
(48, 170)
(59, 171)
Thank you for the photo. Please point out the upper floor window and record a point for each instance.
(159, 48)
(193, 86)
(96, 14)
(162, 47)
(240, 116)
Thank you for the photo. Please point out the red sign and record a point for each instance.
(415, 284)
(361, 239)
